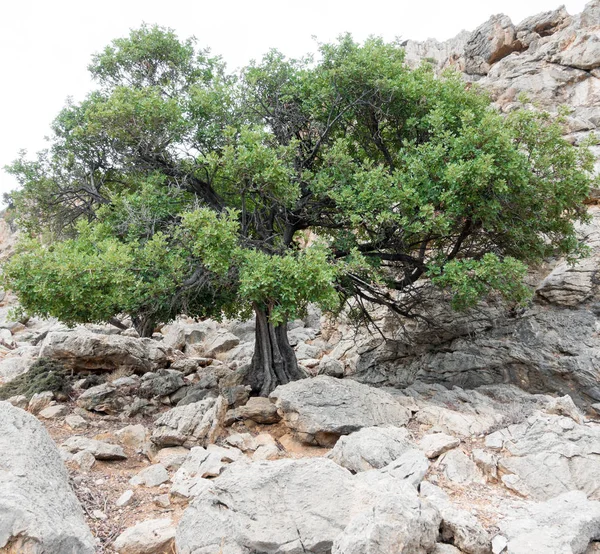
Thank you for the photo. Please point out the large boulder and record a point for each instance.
(401, 523)
(548, 455)
(321, 409)
(83, 350)
(197, 424)
(565, 524)
(489, 43)
(296, 506)
(38, 510)
(371, 448)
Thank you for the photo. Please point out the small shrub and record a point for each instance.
(44, 375)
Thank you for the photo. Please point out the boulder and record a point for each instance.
(101, 450)
(288, 506)
(196, 424)
(153, 536)
(13, 366)
(565, 524)
(458, 527)
(401, 523)
(550, 455)
(82, 350)
(370, 448)
(489, 43)
(161, 383)
(38, 510)
(151, 476)
(438, 443)
(459, 468)
(321, 409)
(257, 409)
(202, 463)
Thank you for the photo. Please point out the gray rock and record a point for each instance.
(219, 343)
(191, 478)
(19, 401)
(134, 437)
(151, 476)
(438, 443)
(191, 425)
(83, 350)
(161, 383)
(39, 401)
(38, 510)
(551, 455)
(100, 450)
(489, 43)
(370, 448)
(259, 410)
(171, 458)
(84, 460)
(54, 412)
(110, 397)
(459, 468)
(153, 536)
(458, 527)
(249, 507)
(321, 409)
(76, 422)
(125, 499)
(332, 368)
(565, 524)
(401, 523)
(13, 366)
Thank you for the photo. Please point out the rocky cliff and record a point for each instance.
(553, 345)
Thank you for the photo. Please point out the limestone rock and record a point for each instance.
(436, 444)
(370, 448)
(281, 506)
(84, 460)
(161, 383)
(567, 523)
(459, 468)
(194, 424)
(54, 412)
(321, 409)
(83, 350)
(13, 366)
(134, 437)
(191, 478)
(489, 43)
(552, 455)
(38, 510)
(76, 422)
(401, 523)
(40, 401)
(151, 476)
(101, 450)
(154, 536)
(258, 409)
(458, 527)
(219, 343)
(332, 368)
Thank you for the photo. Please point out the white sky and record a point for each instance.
(46, 45)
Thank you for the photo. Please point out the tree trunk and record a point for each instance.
(274, 361)
(144, 325)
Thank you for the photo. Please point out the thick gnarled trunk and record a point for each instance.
(274, 361)
(144, 325)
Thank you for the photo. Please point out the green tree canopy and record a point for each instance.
(176, 187)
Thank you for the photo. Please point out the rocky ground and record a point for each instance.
(481, 436)
(180, 459)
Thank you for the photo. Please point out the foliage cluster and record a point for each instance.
(176, 186)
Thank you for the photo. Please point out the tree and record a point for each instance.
(176, 187)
